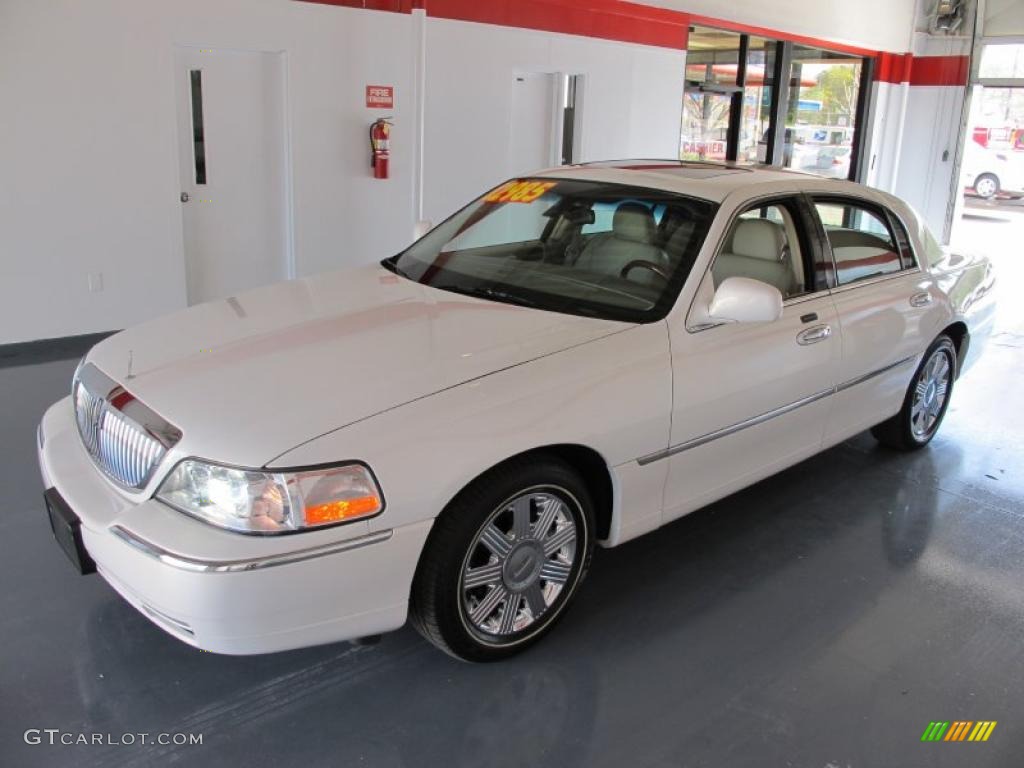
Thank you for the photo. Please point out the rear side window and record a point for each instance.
(862, 240)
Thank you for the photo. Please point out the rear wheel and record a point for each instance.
(926, 400)
(504, 560)
(986, 185)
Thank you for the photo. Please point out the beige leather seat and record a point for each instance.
(631, 239)
(758, 251)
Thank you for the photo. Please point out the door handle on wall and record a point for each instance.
(922, 299)
(814, 335)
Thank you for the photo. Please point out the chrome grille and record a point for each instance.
(126, 440)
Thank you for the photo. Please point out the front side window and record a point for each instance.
(764, 244)
(578, 247)
(863, 244)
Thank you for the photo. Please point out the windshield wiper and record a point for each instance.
(494, 294)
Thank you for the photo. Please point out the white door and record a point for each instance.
(885, 307)
(752, 398)
(231, 137)
(532, 127)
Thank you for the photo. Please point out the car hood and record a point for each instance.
(252, 376)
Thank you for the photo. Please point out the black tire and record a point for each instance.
(987, 191)
(900, 432)
(440, 604)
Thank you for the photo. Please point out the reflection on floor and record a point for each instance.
(823, 617)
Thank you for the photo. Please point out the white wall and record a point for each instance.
(88, 136)
(90, 175)
(631, 102)
(882, 25)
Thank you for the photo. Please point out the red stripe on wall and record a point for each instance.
(395, 6)
(940, 70)
(606, 19)
(922, 70)
(893, 67)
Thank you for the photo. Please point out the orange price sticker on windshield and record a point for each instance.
(519, 191)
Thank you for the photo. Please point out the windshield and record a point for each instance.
(579, 247)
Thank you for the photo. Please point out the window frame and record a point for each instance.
(904, 250)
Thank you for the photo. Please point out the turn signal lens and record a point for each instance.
(334, 511)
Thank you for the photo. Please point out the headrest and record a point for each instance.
(758, 239)
(634, 221)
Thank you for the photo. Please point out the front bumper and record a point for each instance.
(227, 592)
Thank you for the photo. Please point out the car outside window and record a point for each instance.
(862, 242)
(538, 242)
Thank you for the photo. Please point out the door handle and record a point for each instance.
(922, 299)
(814, 335)
(185, 197)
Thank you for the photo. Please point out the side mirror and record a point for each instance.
(422, 227)
(743, 300)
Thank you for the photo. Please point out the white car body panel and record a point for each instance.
(381, 340)
(431, 389)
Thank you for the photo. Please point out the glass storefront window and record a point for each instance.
(1002, 61)
(757, 101)
(732, 100)
(712, 56)
(822, 112)
(705, 126)
(712, 63)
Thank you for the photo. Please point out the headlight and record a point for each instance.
(254, 501)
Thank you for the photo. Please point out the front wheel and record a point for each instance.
(926, 400)
(504, 560)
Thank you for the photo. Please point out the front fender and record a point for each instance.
(613, 395)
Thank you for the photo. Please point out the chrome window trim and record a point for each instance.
(203, 565)
(875, 280)
(768, 415)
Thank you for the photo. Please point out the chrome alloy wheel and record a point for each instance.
(930, 393)
(519, 562)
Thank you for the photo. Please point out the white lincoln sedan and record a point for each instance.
(575, 358)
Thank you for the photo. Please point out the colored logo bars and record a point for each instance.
(958, 730)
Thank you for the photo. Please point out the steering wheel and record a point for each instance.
(657, 269)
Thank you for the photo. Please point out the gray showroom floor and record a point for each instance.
(821, 618)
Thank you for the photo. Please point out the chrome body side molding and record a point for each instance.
(767, 416)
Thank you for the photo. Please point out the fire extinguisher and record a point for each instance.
(380, 154)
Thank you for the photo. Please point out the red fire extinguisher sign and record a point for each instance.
(380, 96)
